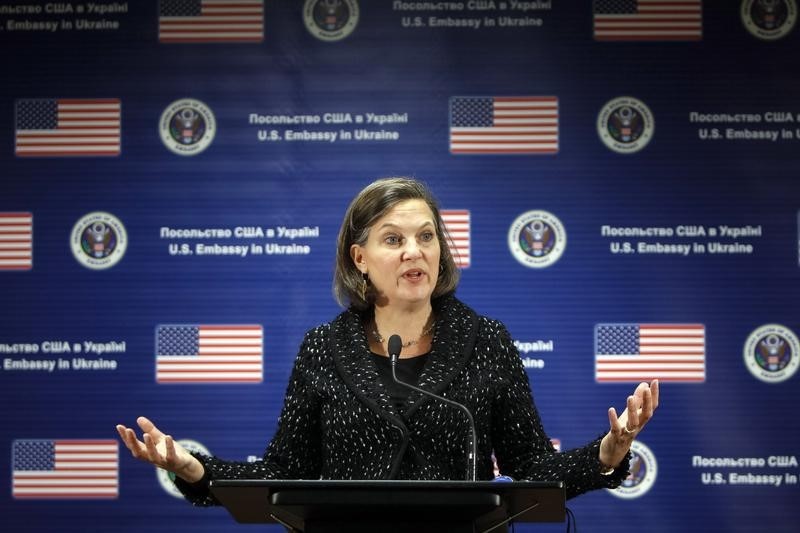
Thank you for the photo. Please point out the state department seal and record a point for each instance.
(187, 126)
(644, 470)
(537, 239)
(769, 19)
(98, 240)
(330, 20)
(772, 353)
(167, 479)
(625, 125)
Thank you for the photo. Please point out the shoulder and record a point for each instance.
(317, 338)
(487, 329)
(492, 328)
(493, 348)
(494, 335)
(314, 352)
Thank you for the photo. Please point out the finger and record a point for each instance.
(129, 437)
(152, 452)
(647, 406)
(633, 414)
(170, 450)
(136, 447)
(148, 427)
(613, 420)
(654, 392)
(123, 434)
(639, 393)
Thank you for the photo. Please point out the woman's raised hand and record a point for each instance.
(623, 429)
(161, 450)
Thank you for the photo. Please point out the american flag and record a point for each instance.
(657, 20)
(68, 127)
(456, 222)
(205, 21)
(504, 125)
(16, 241)
(50, 469)
(209, 354)
(642, 352)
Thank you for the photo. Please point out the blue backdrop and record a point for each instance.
(174, 164)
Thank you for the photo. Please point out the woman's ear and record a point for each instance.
(357, 255)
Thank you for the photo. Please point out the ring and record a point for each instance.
(627, 431)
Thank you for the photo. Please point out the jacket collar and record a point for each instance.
(452, 346)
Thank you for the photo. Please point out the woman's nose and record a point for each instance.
(411, 250)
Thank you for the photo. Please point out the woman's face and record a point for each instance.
(401, 255)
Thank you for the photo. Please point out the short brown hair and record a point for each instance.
(374, 201)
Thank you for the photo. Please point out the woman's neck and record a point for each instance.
(412, 324)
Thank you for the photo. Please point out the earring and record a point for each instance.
(364, 287)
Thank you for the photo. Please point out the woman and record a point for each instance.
(345, 418)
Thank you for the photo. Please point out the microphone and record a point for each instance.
(394, 348)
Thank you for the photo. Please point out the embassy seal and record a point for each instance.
(330, 20)
(98, 240)
(537, 239)
(644, 470)
(187, 127)
(625, 125)
(769, 20)
(772, 353)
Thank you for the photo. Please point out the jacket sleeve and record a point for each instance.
(293, 453)
(522, 448)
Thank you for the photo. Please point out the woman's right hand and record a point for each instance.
(161, 450)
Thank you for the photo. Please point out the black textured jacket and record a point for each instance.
(339, 423)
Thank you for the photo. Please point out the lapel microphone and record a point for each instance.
(394, 348)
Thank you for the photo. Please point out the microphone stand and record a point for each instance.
(394, 347)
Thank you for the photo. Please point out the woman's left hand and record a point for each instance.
(626, 427)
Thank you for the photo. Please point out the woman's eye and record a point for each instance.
(427, 236)
(392, 239)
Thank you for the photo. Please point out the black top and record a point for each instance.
(338, 421)
(407, 370)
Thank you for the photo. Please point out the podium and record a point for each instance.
(323, 506)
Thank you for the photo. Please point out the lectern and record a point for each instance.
(391, 506)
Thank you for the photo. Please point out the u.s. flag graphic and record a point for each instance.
(642, 352)
(456, 222)
(16, 241)
(648, 20)
(55, 469)
(504, 125)
(209, 354)
(209, 21)
(67, 127)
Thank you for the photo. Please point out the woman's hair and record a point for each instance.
(373, 202)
